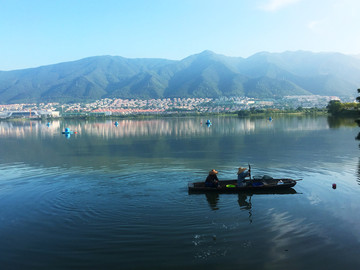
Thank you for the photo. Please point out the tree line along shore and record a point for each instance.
(56, 111)
(335, 109)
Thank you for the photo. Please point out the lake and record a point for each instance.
(115, 197)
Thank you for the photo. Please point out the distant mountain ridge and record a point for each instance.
(207, 74)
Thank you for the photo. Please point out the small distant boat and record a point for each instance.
(254, 185)
(67, 131)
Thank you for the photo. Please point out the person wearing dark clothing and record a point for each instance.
(242, 174)
(211, 179)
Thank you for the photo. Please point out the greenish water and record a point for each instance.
(115, 197)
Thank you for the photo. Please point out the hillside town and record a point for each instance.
(122, 107)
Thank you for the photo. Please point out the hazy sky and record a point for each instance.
(42, 32)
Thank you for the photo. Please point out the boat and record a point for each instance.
(67, 131)
(255, 185)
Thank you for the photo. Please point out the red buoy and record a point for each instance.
(334, 186)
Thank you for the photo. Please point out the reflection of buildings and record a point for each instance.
(25, 128)
(159, 127)
(165, 127)
(130, 128)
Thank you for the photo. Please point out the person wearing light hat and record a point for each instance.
(242, 174)
(211, 179)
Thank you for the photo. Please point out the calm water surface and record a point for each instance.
(116, 197)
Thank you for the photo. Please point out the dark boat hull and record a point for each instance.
(252, 186)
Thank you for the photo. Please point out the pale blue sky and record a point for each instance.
(41, 32)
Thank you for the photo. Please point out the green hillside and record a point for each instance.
(202, 75)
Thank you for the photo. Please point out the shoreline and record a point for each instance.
(241, 114)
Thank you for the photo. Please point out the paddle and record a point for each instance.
(249, 170)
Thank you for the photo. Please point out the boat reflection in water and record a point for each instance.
(213, 199)
(244, 198)
(244, 204)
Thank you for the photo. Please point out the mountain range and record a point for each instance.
(207, 74)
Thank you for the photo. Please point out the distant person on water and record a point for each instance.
(211, 179)
(242, 174)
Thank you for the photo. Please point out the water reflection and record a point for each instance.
(157, 127)
(244, 198)
(358, 172)
(50, 184)
(22, 129)
(245, 204)
(357, 121)
(337, 122)
(213, 199)
(286, 142)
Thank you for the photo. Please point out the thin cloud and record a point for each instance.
(313, 24)
(274, 5)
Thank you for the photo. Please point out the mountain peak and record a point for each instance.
(207, 52)
(206, 74)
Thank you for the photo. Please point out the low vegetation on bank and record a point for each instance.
(269, 112)
(337, 108)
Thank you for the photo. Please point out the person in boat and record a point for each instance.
(242, 174)
(212, 179)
